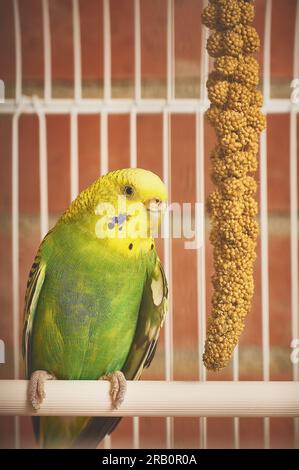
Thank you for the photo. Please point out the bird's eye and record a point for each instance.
(128, 190)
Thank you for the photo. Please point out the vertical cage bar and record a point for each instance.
(137, 50)
(168, 329)
(201, 267)
(264, 216)
(18, 51)
(136, 433)
(15, 208)
(204, 66)
(107, 50)
(77, 51)
(104, 115)
(47, 51)
(296, 44)
(43, 175)
(74, 155)
(107, 442)
(133, 164)
(170, 51)
(266, 53)
(200, 197)
(235, 379)
(15, 260)
(104, 143)
(293, 216)
(104, 165)
(294, 249)
(264, 272)
(133, 139)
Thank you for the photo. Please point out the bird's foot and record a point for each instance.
(118, 387)
(36, 391)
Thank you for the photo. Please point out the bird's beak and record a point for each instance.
(155, 206)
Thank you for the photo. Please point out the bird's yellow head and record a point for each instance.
(135, 184)
(123, 207)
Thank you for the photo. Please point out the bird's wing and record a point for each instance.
(34, 286)
(152, 313)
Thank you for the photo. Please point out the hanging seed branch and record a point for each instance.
(235, 114)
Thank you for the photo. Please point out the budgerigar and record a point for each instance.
(96, 299)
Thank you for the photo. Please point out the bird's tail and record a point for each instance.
(53, 432)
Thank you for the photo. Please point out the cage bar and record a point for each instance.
(104, 143)
(18, 51)
(137, 50)
(133, 164)
(107, 50)
(124, 106)
(170, 51)
(43, 171)
(168, 328)
(74, 155)
(15, 204)
(201, 278)
(294, 216)
(47, 51)
(77, 51)
(200, 197)
(15, 259)
(264, 216)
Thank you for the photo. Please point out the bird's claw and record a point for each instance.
(118, 387)
(36, 391)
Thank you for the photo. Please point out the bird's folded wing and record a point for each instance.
(34, 286)
(152, 313)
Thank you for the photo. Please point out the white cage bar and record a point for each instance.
(236, 400)
(294, 216)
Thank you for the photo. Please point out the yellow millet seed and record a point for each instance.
(237, 165)
(226, 65)
(247, 12)
(235, 114)
(218, 91)
(229, 120)
(229, 13)
(209, 16)
(215, 44)
(231, 141)
(212, 114)
(247, 71)
(255, 118)
(253, 145)
(239, 97)
(233, 43)
(251, 39)
(256, 98)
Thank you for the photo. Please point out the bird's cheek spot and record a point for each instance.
(122, 218)
(111, 225)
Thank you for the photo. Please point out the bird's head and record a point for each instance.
(124, 204)
(135, 185)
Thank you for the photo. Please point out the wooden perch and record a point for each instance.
(146, 398)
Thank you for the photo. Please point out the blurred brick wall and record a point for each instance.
(149, 150)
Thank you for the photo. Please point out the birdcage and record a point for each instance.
(94, 86)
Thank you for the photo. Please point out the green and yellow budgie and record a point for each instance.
(96, 299)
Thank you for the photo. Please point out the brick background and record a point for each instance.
(149, 155)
